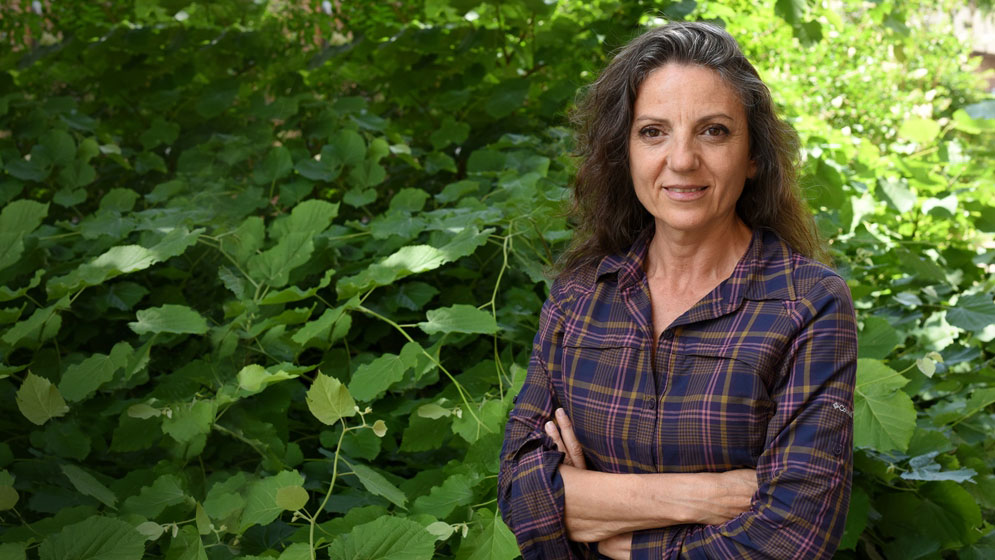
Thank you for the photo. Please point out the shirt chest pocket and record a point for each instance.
(717, 399)
(605, 386)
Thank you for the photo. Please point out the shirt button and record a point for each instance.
(838, 450)
(667, 334)
(650, 401)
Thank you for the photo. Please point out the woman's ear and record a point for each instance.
(751, 171)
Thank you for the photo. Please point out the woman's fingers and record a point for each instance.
(562, 433)
(574, 450)
(553, 432)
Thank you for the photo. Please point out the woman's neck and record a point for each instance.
(685, 261)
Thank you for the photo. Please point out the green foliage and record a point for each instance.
(269, 275)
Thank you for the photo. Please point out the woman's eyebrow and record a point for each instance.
(709, 117)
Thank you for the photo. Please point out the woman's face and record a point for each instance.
(689, 149)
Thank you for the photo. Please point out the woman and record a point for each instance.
(691, 383)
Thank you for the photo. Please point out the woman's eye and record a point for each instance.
(650, 132)
(716, 130)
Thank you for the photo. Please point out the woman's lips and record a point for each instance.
(685, 193)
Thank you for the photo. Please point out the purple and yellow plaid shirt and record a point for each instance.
(758, 374)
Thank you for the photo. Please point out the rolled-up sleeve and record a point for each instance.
(530, 490)
(805, 470)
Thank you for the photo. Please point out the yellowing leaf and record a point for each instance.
(291, 498)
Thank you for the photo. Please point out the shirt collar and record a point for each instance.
(764, 271)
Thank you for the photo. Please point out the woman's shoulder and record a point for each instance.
(801, 275)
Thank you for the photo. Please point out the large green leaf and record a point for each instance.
(973, 312)
(329, 400)
(88, 485)
(386, 538)
(187, 545)
(169, 318)
(378, 485)
(491, 540)
(372, 379)
(189, 420)
(261, 507)
(409, 260)
(459, 318)
(39, 401)
(82, 379)
(456, 491)
(877, 339)
(96, 538)
(167, 490)
(18, 219)
(884, 415)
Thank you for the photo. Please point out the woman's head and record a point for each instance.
(608, 213)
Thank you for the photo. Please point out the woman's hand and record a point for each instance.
(618, 547)
(562, 432)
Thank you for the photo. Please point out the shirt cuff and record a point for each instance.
(532, 503)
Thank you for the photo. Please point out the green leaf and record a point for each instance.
(123, 259)
(254, 378)
(326, 167)
(372, 379)
(275, 166)
(8, 495)
(952, 514)
(187, 545)
(493, 540)
(159, 132)
(877, 338)
(377, 485)
(386, 538)
(459, 318)
(39, 401)
(96, 538)
(856, 519)
(924, 467)
(189, 420)
(87, 485)
(410, 260)
(451, 132)
(17, 220)
(349, 147)
(507, 96)
(166, 491)
(274, 265)
(919, 130)
(291, 498)
(408, 200)
(973, 312)
(456, 491)
(83, 379)
(897, 193)
(226, 497)
(13, 551)
(261, 507)
(321, 328)
(329, 400)
(59, 146)
(40, 326)
(884, 416)
(169, 318)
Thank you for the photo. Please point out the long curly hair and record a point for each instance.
(608, 216)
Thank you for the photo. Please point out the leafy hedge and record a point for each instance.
(269, 274)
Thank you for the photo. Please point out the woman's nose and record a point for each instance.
(683, 156)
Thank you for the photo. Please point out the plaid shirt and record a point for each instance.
(758, 374)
